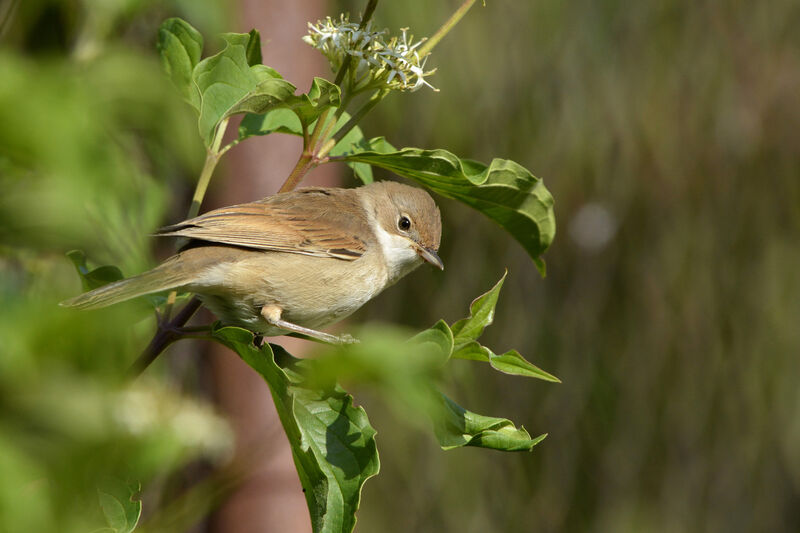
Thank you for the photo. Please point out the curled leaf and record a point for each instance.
(455, 427)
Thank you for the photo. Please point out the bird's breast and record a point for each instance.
(312, 291)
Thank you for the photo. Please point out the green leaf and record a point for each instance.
(377, 144)
(467, 330)
(265, 96)
(227, 80)
(273, 94)
(454, 427)
(180, 47)
(322, 96)
(481, 315)
(351, 143)
(121, 509)
(355, 142)
(91, 279)
(436, 340)
(253, 52)
(285, 121)
(510, 362)
(332, 443)
(103, 275)
(513, 363)
(278, 120)
(504, 191)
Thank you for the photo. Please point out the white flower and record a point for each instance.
(375, 63)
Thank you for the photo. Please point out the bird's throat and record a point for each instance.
(399, 253)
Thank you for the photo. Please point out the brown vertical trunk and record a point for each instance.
(270, 498)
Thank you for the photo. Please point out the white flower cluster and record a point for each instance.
(374, 61)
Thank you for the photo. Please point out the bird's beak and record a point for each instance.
(430, 256)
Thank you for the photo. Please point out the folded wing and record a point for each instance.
(314, 221)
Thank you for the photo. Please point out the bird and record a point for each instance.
(294, 262)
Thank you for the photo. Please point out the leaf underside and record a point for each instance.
(332, 442)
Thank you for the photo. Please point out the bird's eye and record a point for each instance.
(404, 223)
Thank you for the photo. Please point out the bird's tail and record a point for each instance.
(168, 275)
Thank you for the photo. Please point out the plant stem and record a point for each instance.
(227, 147)
(202, 184)
(306, 161)
(315, 135)
(345, 101)
(350, 124)
(212, 158)
(304, 164)
(165, 335)
(306, 137)
(445, 28)
(368, 11)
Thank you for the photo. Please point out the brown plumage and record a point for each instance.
(311, 221)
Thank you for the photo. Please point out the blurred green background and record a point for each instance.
(666, 131)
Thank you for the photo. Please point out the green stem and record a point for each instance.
(202, 184)
(371, 5)
(368, 11)
(350, 124)
(345, 101)
(212, 158)
(304, 164)
(308, 158)
(227, 147)
(306, 138)
(445, 28)
(324, 138)
(315, 135)
(342, 71)
(321, 135)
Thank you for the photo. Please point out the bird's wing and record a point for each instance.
(314, 221)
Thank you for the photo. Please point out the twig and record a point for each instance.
(165, 335)
(304, 164)
(445, 28)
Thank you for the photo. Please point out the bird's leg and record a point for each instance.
(272, 314)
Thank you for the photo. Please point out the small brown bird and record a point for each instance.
(296, 261)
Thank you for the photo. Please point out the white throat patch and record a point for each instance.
(401, 257)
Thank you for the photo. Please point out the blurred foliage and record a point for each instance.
(92, 138)
(668, 133)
